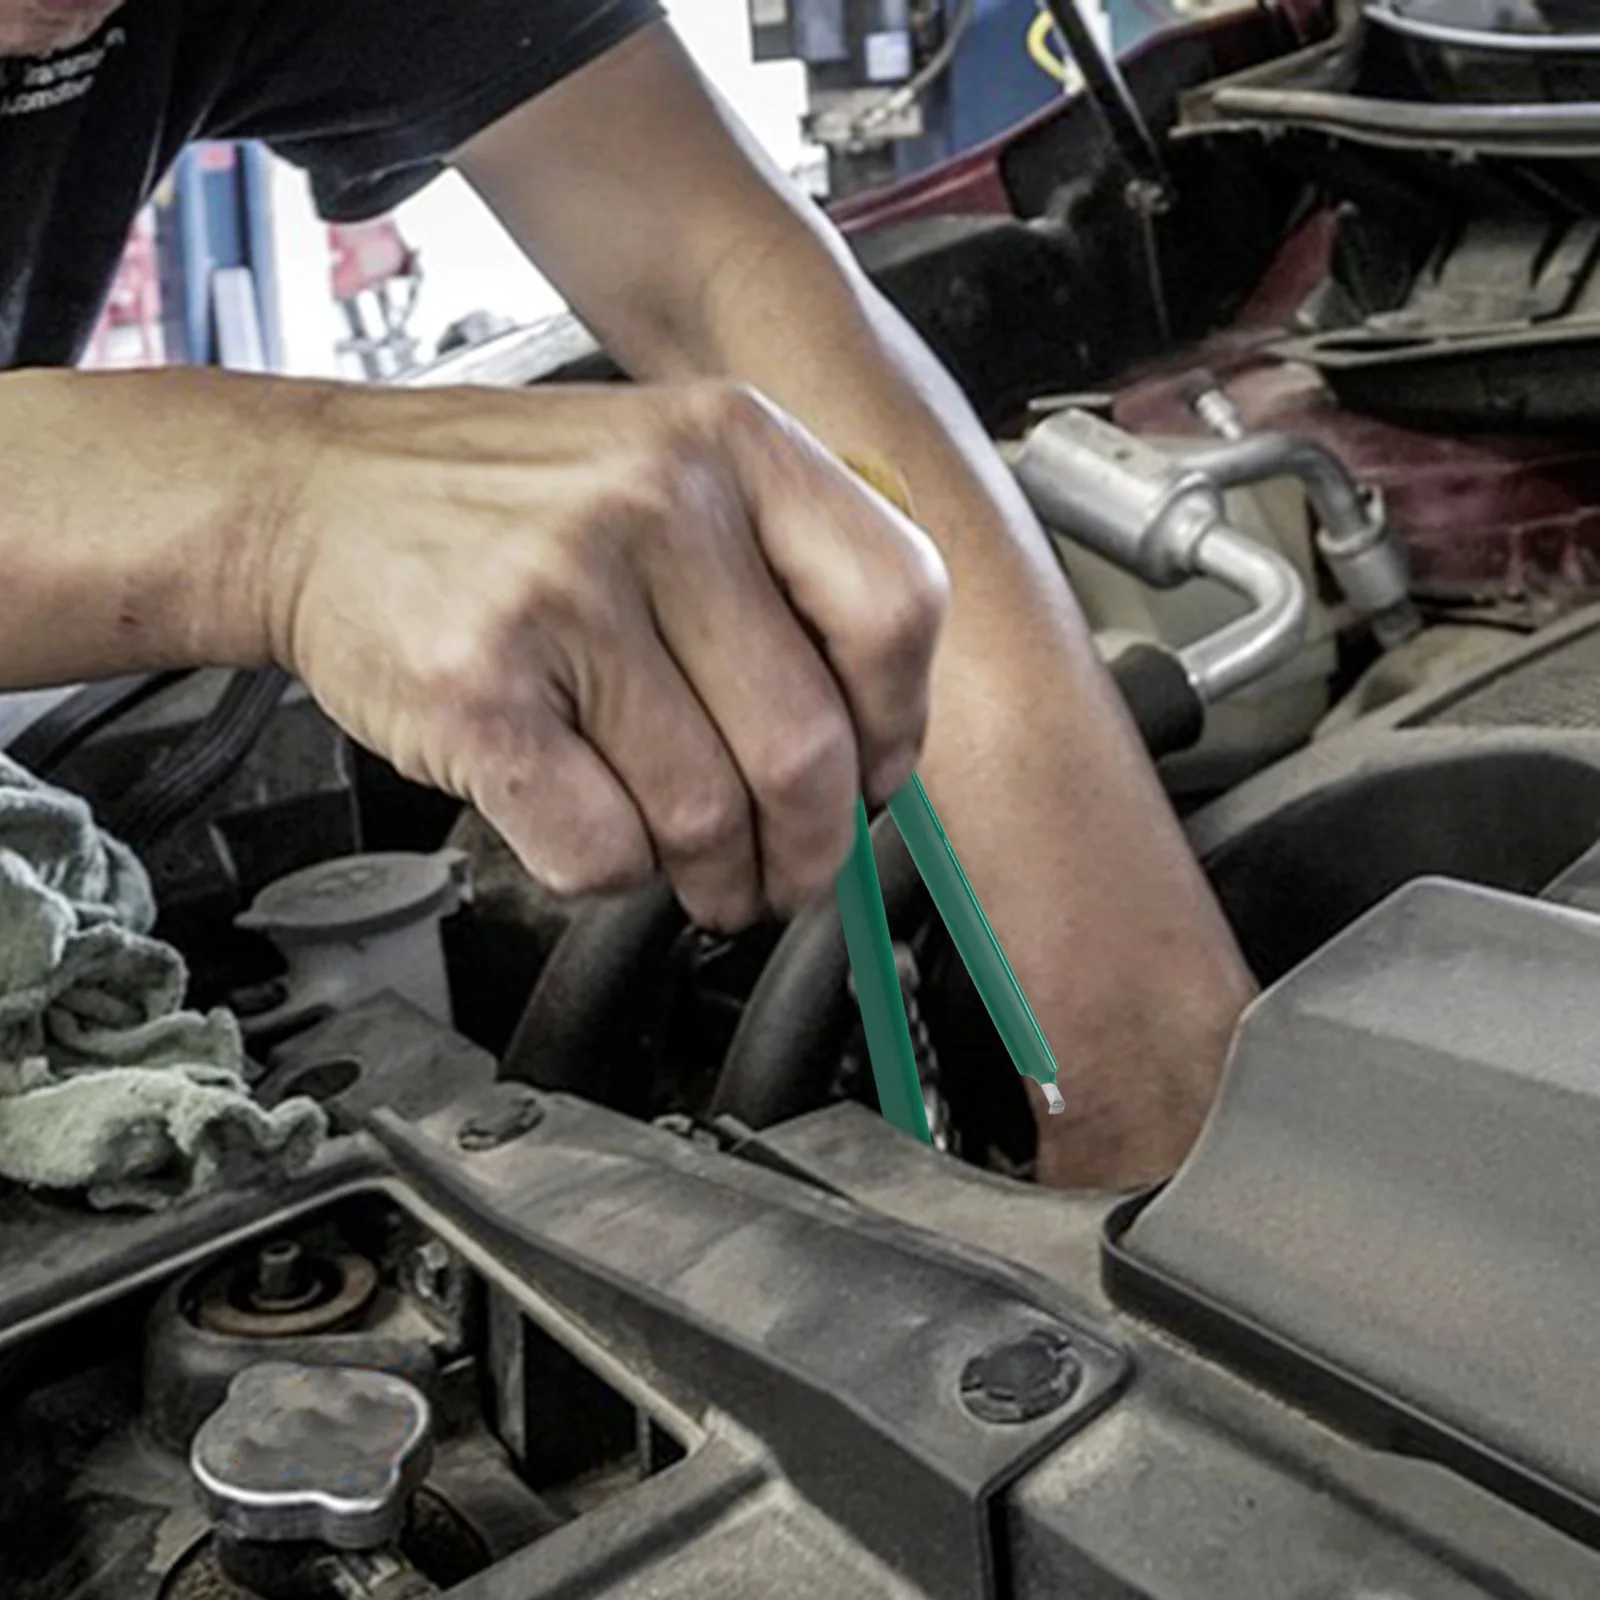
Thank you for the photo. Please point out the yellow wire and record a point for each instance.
(1040, 33)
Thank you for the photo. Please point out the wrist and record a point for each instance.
(248, 540)
(127, 532)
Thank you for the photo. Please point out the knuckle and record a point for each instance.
(907, 620)
(598, 875)
(707, 821)
(594, 866)
(459, 679)
(716, 423)
(637, 499)
(647, 497)
(555, 598)
(890, 646)
(806, 760)
(728, 410)
(477, 693)
(919, 597)
(664, 501)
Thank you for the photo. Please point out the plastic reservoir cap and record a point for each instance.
(358, 896)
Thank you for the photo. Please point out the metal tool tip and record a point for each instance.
(1053, 1099)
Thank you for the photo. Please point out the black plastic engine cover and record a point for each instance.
(1391, 1214)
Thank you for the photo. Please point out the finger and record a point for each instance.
(560, 807)
(643, 716)
(775, 702)
(868, 581)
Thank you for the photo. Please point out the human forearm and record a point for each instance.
(1057, 812)
(138, 511)
(634, 627)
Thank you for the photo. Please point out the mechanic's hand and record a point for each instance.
(638, 628)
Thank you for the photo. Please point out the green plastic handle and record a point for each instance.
(883, 1009)
(866, 931)
(974, 937)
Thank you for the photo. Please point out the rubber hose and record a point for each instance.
(788, 1043)
(580, 1029)
(42, 746)
(1168, 713)
(210, 754)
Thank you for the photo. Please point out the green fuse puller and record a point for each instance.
(866, 935)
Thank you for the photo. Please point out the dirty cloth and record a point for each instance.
(106, 1085)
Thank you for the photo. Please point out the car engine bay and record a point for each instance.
(610, 1281)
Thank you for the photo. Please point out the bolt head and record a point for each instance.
(1023, 1378)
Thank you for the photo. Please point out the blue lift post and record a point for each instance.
(219, 282)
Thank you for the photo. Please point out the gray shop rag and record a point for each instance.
(106, 1085)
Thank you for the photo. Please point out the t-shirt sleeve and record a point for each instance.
(372, 96)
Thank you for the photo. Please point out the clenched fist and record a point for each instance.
(640, 629)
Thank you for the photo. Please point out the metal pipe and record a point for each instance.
(1262, 640)
(1352, 534)
(1214, 406)
(1163, 519)
(1117, 495)
(1337, 499)
(1565, 130)
(1462, 36)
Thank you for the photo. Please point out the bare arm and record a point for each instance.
(642, 199)
(115, 553)
(632, 626)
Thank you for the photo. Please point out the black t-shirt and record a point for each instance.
(368, 95)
